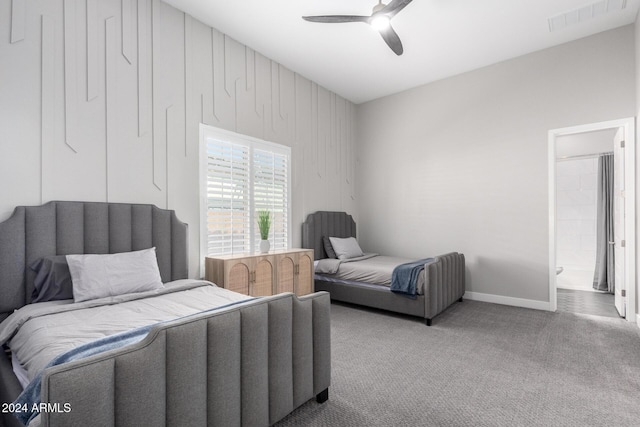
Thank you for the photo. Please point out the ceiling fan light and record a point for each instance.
(380, 22)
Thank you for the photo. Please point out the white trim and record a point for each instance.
(553, 300)
(499, 299)
(630, 206)
(638, 320)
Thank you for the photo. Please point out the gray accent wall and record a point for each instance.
(461, 164)
(101, 100)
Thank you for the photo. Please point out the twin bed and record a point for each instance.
(366, 280)
(172, 351)
(250, 361)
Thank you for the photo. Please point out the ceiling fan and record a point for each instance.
(380, 19)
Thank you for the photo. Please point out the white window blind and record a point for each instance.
(270, 192)
(241, 176)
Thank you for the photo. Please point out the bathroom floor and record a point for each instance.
(579, 280)
(587, 302)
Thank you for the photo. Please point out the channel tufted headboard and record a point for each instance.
(62, 228)
(329, 224)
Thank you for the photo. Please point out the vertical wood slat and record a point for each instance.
(48, 104)
(167, 142)
(93, 77)
(189, 110)
(110, 91)
(145, 97)
(217, 69)
(127, 29)
(70, 75)
(18, 20)
(159, 160)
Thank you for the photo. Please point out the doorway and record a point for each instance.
(573, 159)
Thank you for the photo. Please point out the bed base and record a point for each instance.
(323, 396)
(10, 388)
(444, 281)
(250, 364)
(444, 285)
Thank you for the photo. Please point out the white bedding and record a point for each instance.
(370, 268)
(19, 371)
(37, 333)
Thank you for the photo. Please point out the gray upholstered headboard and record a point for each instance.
(62, 228)
(329, 224)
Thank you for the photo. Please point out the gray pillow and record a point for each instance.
(99, 276)
(328, 248)
(53, 279)
(346, 248)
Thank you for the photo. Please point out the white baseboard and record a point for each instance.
(516, 302)
(638, 320)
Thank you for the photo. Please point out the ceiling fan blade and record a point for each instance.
(394, 7)
(392, 39)
(336, 19)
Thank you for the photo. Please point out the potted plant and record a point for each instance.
(264, 223)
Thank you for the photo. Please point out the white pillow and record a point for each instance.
(346, 248)
(99, 276)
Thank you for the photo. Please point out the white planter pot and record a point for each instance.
(264, 246)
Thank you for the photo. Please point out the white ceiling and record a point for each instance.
(441, 38)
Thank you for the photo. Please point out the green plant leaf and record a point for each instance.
(264, 223)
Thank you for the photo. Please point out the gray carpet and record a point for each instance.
(479, 364)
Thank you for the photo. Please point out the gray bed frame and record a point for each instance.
(444, 277)
(250, 364)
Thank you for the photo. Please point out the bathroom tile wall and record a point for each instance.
(576, 185)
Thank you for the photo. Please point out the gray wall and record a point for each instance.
(461, 164)
(100, 100)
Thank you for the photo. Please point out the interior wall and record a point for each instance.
(585, 143)
(461, 164)
(101, 101)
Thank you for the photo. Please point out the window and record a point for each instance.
(241, 176)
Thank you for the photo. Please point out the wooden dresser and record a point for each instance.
(263, 274)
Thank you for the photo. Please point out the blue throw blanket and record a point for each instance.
(29, 399)
(404, 279)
